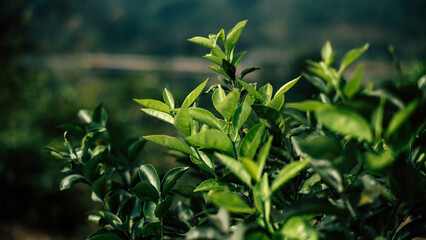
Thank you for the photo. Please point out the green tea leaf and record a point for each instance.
(309, 105)
(166, 117)
(148, 172)
(353, 85)
(251, 141)
(252, 90)
(153, 104)
(183, 121)
(205, 42)
(162, 207)
(346, 122)
(230, 202)
(237, 58)
(241, 114)
(319, 147)
(378, 162)
(229, 69)
(214, 59)
(205, 117)
(194, 95)
(297, 228)
(229, 103)
(327, 53)
(144, 191)
(210, 184)
(168, 98)
(212, 139)
(247, 71)
(109, 217)
(232, 37)
(171, 178)
(351, 56)
(274, 117)
(262, 156)
(70, 180)
(104, 236)
(261, 196)
(377, 118)
(277, 102)
(401, 117)
(218, 97)
(219, 70)
(235, 167)
(170, 142)
(152, 229)
(251, 167)
(287, 173)
(266, 92)
(286, 87)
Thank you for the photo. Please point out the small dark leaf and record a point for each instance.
(229, 69)
(247, 71)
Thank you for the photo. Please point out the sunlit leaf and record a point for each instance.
(158, 114)
(168, 98)
(276, 103)
(286, 87)
(233, 36)
(202, 41)
(235, 167)
(148, 172)
(287, 173)
(183, 121)
(327, 53)
(251, 141)
(230, 202)
(266, 92)
(194, 95)
(70, 180)
(351, 56)
(378, 162)
(153, 104)
(241, 114)
(297, 228)
(170, 142)
(353, 85)
(228, 105)
(262, 156)
(217, 97)
(250, 166)
(212, 139)
(308, 105)
(210, 184)
(251, 90)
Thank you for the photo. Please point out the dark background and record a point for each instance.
(57, 57)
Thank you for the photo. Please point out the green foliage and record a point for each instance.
(347, 165)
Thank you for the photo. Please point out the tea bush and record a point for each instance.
(348, 164)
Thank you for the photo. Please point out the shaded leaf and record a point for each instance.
(247, 71)
(171, 178)
(319, 147)
(229, 69)
(262, 156)
(144, 191)
(309, 105)
(251, 90)
(346, 122)
(104, 235)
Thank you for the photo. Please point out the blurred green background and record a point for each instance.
(57, 57)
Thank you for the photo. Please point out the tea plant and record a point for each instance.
(347, 165)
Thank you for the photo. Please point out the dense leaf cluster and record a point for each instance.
(349, 164)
